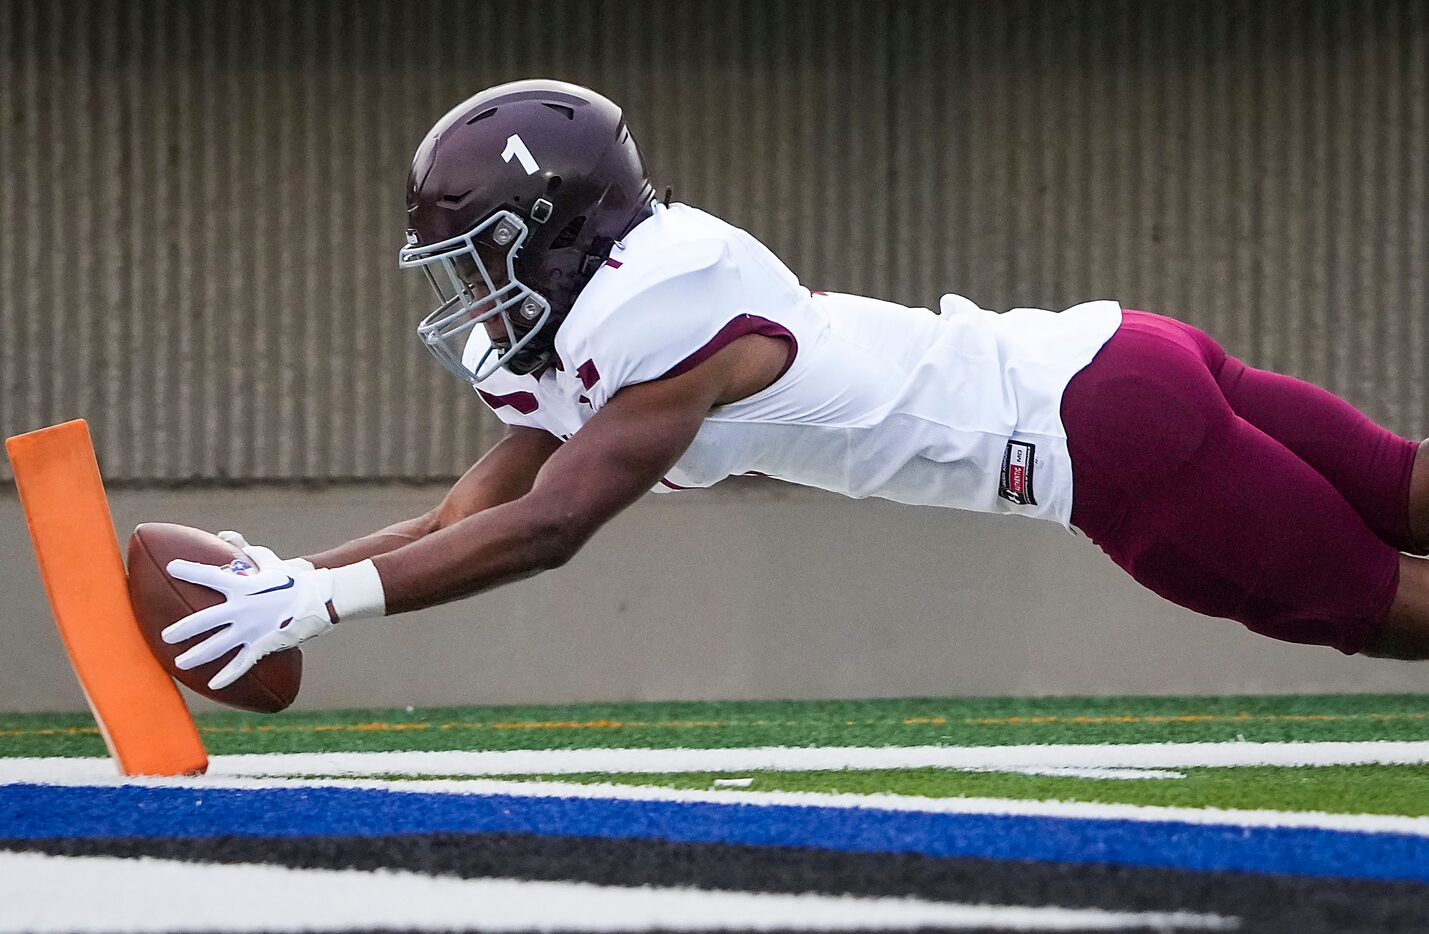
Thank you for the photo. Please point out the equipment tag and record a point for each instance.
(1015, 482)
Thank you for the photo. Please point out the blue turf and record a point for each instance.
(42, 812)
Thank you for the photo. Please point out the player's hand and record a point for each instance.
(253, 552)
(271, 606)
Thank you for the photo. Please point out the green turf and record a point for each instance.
(1359, 789)
(959, 722)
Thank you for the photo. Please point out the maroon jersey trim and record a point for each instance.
(735, 329)
(588, 374)
(523, 402)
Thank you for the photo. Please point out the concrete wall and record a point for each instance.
(763, 591)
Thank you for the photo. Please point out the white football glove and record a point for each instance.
(272, 606)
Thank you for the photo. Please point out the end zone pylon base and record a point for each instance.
(142, 716)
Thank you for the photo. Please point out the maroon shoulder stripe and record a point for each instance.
(735, 329)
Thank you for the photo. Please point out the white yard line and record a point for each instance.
(1035, 759)
(154, 895)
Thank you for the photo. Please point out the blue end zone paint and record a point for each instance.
(41, 811)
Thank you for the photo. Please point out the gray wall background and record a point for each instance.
(202, 200)
(200, 205)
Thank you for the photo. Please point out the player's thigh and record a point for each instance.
(1370, 466)
(1250, 532)
(1210, 512)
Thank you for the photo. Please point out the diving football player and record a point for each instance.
(630, 344)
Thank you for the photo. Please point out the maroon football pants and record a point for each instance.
(1236, 492)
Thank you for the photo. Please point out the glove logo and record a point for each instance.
(238, 566)
(276, 587)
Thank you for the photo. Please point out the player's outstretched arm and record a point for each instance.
(504, 473)
(612, 461)
(616, 457)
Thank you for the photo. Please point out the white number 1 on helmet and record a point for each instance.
(515, 146)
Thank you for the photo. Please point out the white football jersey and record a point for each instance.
(960, 409)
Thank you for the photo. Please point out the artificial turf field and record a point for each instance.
(1306, 813)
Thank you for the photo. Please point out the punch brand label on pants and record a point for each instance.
(1015, 482)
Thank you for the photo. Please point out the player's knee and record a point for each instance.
(1418, 505)
(1392, 647)
(1400, 641)
(1404, 634)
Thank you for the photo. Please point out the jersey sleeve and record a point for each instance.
(666, 322)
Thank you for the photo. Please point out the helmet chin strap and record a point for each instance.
(526, 361)
(539, 353)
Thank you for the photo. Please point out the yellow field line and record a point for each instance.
(538, 725)
(1198, 718)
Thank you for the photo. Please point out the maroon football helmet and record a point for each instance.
(513, 202)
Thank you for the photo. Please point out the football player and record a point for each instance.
(632, 344)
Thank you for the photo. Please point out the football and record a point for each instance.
(160, 600)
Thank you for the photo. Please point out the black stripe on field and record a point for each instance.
(1264, 902)
(1159, 929)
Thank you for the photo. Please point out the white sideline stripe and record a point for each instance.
(775, 759)
(819, 758)
(156, 895)
(59, 769)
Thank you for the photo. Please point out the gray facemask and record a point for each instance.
(468, 296)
